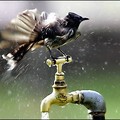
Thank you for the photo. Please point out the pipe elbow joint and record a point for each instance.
(93, 101)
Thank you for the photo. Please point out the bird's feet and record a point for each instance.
(59, 60)
(64, 56)
(53, 59)
(67, 57)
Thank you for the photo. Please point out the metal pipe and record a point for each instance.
(92, 100)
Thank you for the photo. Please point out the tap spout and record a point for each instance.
(59, 97)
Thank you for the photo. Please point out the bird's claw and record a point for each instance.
(67, 57)
(53, 59)
(64, 56)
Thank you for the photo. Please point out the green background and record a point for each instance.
(18, 100)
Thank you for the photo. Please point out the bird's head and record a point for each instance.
(73, 19)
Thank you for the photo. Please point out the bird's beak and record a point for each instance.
(84, 19)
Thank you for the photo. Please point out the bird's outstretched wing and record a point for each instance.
(21, 28)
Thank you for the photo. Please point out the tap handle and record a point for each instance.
(59, 60)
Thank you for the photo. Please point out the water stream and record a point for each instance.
(45, 115)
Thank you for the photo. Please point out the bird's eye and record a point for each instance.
(65, 23)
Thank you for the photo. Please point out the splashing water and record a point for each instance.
(45, 115)
(12, 63)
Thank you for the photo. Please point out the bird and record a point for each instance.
(31, 30)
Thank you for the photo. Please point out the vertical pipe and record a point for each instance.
(98, 117)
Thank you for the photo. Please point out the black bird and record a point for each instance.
(32, 30)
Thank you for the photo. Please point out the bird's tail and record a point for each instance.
(16, 55)
(21, 31)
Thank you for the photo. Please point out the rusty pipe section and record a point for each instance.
(94, 102)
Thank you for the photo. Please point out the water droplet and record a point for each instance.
(83, 68)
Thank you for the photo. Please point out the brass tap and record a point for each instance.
(59, 95)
